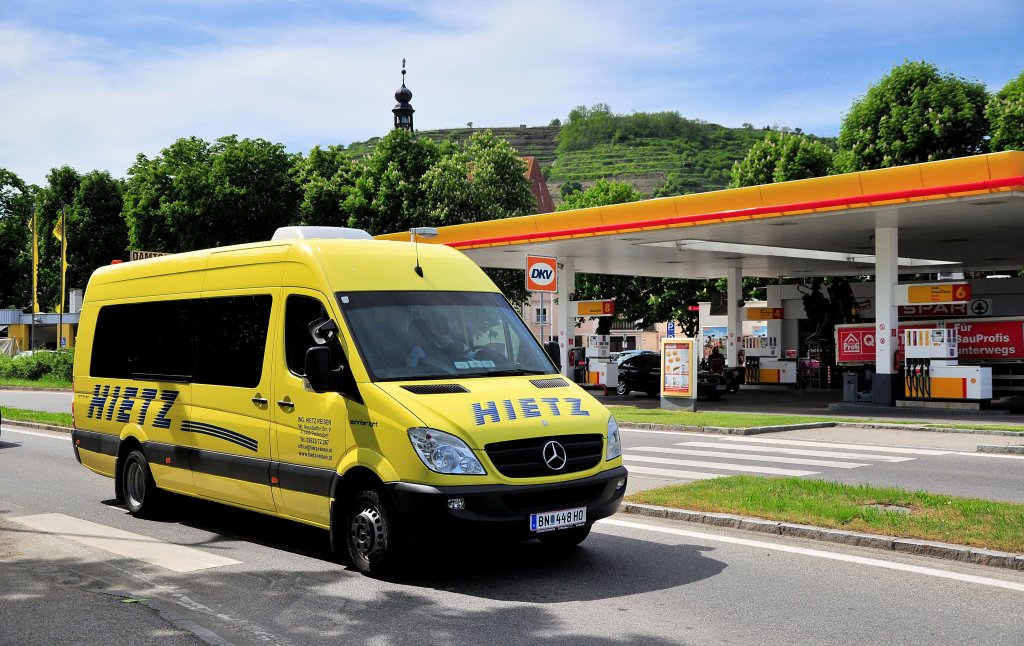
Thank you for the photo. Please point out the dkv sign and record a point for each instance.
(541, 274)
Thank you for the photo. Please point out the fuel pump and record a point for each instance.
(932, 372)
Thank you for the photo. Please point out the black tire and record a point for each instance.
(139, 491)
(371, 533)
(564, 539)
(622, 388)
(734, 387)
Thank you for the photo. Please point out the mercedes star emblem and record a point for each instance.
(554, 455)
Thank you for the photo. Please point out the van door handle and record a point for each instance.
(259, 401)
(285, 403)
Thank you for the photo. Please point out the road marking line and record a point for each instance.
(807, 452)
(134, 546)
(752, 458)
(674, 473)
(825, 445)
(55, 435)
(834, 556)
(1005, 456)
(716, 465)
(644, 430)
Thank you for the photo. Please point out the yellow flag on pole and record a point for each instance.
(35, 263)
(58, 232)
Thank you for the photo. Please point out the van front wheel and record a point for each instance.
(373, 542)
(137, 486)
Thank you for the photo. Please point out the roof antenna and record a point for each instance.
(426, 232)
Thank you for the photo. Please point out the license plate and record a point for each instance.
(553, 520)
(721, 387)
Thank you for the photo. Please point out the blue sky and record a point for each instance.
(93, 84)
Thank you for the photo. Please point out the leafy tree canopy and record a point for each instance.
(1005, 114)
(782, 157)
(15, 241)
(196, 194)
(914, 114)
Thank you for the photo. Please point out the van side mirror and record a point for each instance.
(318, 368)
(323, 330)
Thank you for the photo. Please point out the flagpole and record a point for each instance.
(60, 309)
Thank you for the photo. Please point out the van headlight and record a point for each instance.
(614, 441)
(444, 453)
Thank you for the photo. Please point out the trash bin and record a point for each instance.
(851, 381)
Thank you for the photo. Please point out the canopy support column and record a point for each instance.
(566, 314)
(734, 312)
(886, 314)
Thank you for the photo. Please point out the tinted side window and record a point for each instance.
(233, 340)
(144, 340)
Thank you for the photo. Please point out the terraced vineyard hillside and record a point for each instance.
(698, 161)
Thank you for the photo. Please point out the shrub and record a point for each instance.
(38, 365)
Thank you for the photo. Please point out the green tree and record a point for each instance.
(327, 179)
(781, 157)
(1005, 114)
(387, 195)
(602, 193)
(482, 180)
(96, 230)
(914, 114)
(62, 185)
(196, 194)
(16, 200)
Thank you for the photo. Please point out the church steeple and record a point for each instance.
(403, 111)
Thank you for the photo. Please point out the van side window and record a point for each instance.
(233, 340)
(218, 341)
(299, 312)
(154, 338)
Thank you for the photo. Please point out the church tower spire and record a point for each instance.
(403, 110)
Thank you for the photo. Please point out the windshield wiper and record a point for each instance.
(509, 372)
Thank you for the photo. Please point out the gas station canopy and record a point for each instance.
(956, 215)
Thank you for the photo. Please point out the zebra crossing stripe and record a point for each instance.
(835, 445)
(715, 465)
(805, 452)
(753, 458)
(674, 473)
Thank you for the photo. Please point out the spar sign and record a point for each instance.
(540, 274)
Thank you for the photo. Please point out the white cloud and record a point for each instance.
(300, 77)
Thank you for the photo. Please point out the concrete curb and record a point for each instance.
(962, 553)
(35, 425)
(1012, 449)
(930, 429)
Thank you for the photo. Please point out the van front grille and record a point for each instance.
(525, 458)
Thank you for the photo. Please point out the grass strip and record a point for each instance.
(749, 420)
(48, 381)
(887, 511)
(22, 415)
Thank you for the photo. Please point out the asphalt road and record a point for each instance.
(945, 463)
(634, 581)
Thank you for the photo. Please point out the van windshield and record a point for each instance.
(440, 335)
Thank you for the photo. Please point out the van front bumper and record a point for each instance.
(504, 510)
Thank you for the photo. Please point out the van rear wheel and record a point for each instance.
(138, 489)
(372, 535)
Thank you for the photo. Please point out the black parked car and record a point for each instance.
(643, 372)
